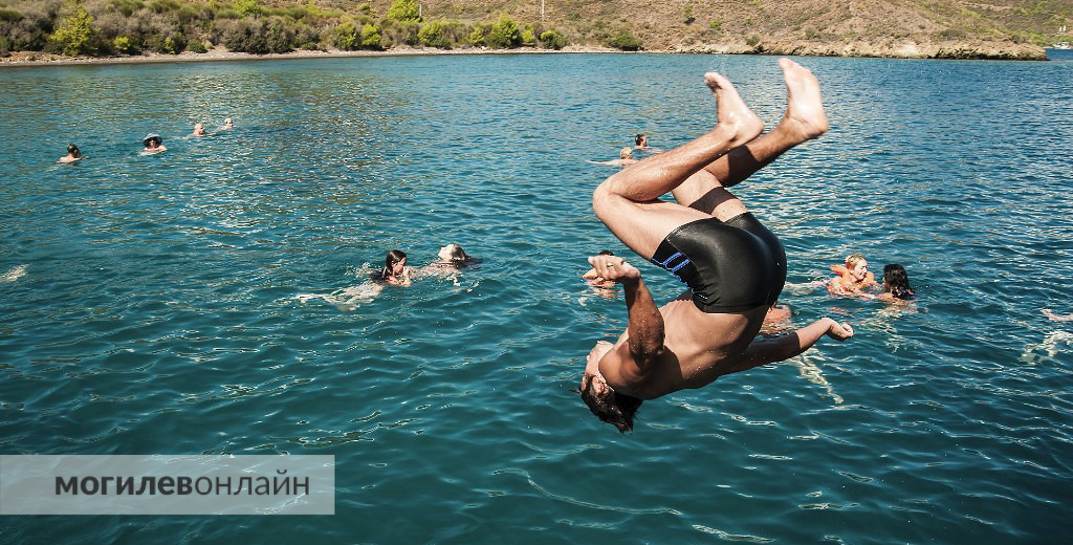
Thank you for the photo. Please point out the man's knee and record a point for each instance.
(603, 200)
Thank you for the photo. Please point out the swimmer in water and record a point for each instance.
(1057, 317)
(395, 271)
(228, 125)
(853, 277)
(593, 278)
(450, 260)
(153, 144)
(199, 130)
(625, 159)
(73, 155)
(640, 142)
(895, 285)
(734, 266)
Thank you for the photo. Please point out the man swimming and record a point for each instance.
(734, 266)
(199, 130)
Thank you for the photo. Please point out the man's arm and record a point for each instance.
(645, 322)
(784, 347)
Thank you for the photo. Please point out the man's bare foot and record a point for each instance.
(732, 114)
(805, 118)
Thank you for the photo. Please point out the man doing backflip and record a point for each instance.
(735, 267)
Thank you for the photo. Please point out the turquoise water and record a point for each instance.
(152, 304)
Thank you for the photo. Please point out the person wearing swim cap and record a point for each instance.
(153, 144)
(73, 155)
(734, 267)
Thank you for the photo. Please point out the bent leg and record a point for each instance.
(804, 120)
(628, 201)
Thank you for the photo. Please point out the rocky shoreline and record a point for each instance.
(897, 50)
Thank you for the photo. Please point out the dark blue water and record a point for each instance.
(151, 304)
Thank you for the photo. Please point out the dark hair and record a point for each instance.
(73, 150)
(393, 257)
(896, 281)
(606, 252)
(614, 408)
(637, 140)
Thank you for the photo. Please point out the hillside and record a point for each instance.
(895, 28)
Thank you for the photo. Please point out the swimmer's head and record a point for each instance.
(606, 252)
(607, 404)
(227, 122)
(896, 281)
(199, 127)
(454, 254)
(641, 140)
(73, 151)
(394, 264)
(857, 266)
(625, 153)
(152, 140)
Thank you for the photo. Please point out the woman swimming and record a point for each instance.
(853, 277)
(395, 271)
(153, 144)
(895, 284)
(73, 155)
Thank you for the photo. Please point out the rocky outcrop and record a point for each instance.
(893, 49)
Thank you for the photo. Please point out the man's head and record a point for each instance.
(610, 406)
(641, 140)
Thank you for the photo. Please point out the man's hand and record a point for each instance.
(839, 331)
(614, 268)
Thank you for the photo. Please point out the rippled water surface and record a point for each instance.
(151, 304)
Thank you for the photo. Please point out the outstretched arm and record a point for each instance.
(784, 347)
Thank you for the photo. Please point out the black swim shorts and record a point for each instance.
(731, 266)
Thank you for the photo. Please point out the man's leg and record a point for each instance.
(628, 201)
(803, 121)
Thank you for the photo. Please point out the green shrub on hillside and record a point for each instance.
(75, 34)
(477, 35)
(752, 40)
(715, 25)
(370, 36)
(197, 46)
(442, 33)
(624, 40)
(124, 45)
(246, 8)
(551, 39)
(504, 34)
(404, 10)
(394, 32)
